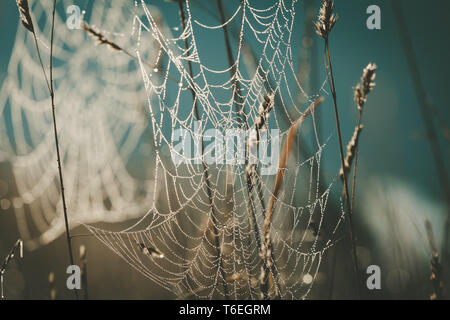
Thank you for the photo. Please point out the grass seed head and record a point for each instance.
(366, 85)
(326, 19)
(25, 15)
(101, 39)
(351, 147)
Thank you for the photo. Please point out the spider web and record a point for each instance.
(201, 238)
(199, 228)
(101, 121)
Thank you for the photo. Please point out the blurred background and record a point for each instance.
(398, 182)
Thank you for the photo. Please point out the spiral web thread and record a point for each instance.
(185, 244)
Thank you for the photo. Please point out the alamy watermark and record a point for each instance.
(374, 280)
(73, 17)
(232, 147)
(74, 280)
(374, 20)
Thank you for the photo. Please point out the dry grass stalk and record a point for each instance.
(253, 143)
(324, 25)
(83, 267)
(101, 39)
(266, 248)
(51, 282)
(252, 180)
(25, 16)
(150, 251)
(436, 277)
(351, 151)
(283, 160)
(18, 246)
(362, 90)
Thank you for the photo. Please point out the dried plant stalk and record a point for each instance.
(324, 25)
(25, 16)
(101, 39)
(351, 151)
(253, 179)
(150, 252)
(436, 277)
(266, 248)
(284, 156)
(84, 277)
(51, 282)
(361, 92)
(104, 40)
(18, 246)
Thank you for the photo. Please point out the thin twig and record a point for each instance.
(103, 40)
(252, 179)
(84, 277)
(55, 130)
(25, 15)
(326, 21)
(435, 266)
(361, 92)
(330, 76)
(18, 245)
(266, 250)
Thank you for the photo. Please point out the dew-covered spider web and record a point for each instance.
(100, 106)
(203, 240)
(200, 235)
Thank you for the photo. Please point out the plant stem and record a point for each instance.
(55, 130)
(330, 77)
(9, 257)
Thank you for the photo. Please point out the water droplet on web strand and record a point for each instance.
(307, 279)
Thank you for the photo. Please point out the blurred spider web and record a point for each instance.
(200, 234)
(101, 120)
